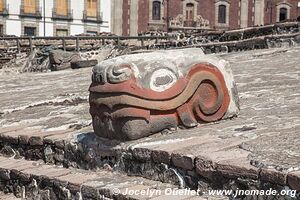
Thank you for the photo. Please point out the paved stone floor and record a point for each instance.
(267, 127)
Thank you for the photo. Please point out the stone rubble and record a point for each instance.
(269, 36)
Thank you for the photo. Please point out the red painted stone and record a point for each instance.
(137, 95)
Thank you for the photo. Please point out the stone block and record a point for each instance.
(204, 166)
(134, 96)
(293, 180)
(273, 176)
(159, 156)
(237, 168)
(185, 162)
(83, 64)
(143, 154)
(60, 60)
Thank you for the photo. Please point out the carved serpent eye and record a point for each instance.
(162, 79)
(119, 73)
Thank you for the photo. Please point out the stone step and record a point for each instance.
(32, 179)
(186, 159)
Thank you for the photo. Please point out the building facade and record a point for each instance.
(131, 17)
(54, 17)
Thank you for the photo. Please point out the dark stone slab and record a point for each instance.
(204, 167)
(273, 176)
(142, 154)
(83, 64)
(293, 180)
(185, 162)
(159, 156)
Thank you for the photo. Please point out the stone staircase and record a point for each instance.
(70, 164)
(75, 164)
(36, 180)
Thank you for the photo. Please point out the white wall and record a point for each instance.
(76, 29)
(13, 24)
(13, 27)
(77, 26)
(106, 9)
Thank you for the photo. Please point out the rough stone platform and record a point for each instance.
(45, 117)
(40, 181)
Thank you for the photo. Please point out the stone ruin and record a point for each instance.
(257, 151)
(36, 58)
(134, 96)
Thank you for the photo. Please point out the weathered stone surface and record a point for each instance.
(142, 153)
(83, 64)
(172, 197)
(267, 127)
(273, 176)
(61, 181)
(204, 167)
(4, 174)
(142, 192)
(293, 180)
(160, 90)
(185, 162)
(11, 129)
(60, 60)
(159, 156)
(264, 155)
(237, 168)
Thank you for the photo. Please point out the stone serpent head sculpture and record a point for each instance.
(134, 96)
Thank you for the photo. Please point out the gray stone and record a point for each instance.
(60, 60)
(185, 162)
(83, 64)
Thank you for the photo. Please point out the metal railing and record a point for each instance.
(103, 39)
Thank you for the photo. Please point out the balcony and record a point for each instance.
(29, 11)
(190, 24)
(4, 10)
(180, 22)
(59, 16)
(92, 19)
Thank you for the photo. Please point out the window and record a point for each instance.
(1, 5)
(189, 12)
(62, 7)
(61, 32)
(91, 8)
(29, 31)
(29, 6)
(283, 14)
(156, 6)
(222, 14)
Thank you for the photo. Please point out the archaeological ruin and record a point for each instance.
(186, 115)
